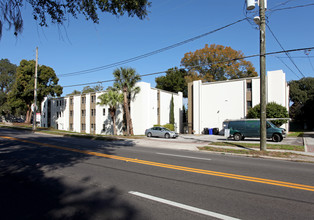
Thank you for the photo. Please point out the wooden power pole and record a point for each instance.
(262, 76)
(35, 92)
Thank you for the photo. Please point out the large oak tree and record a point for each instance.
(215, 63)
(7, 77)
(22, 95)
(173, 81)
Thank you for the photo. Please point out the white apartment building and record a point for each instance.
(210, 104)
(81, 113)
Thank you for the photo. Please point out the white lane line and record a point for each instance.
(182, 206)
(175, 155)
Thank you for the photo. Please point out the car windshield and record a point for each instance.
(272, 125)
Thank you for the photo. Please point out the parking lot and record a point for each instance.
(191, 138)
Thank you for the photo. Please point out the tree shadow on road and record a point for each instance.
(27, 192)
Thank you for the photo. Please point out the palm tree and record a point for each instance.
(125, 80)
(113, 99)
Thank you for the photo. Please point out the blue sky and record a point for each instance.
(81, 45)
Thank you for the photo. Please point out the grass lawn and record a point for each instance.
(253, 153)
(295, 134)
(252, 145)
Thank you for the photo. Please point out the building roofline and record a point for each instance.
(231, 80)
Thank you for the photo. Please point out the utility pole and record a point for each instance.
(262, 76)
(35, 92)
(260, 21)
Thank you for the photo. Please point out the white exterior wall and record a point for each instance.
(77, 113)
(87, 113)
(66, 113)
(153, 107)
(100, 118)
(178, 111)
(216, 102)
(197, 106)
(44, 113)
(276, 82)
(143, 112)
(255, 91)
(219, 104)
(141, 109)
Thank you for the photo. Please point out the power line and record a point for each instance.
(279, 58)
(235, 59)
(307, 52)
(292, 7)
(148, 54)
(288, 55)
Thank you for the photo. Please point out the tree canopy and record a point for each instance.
(173, 81)
(273, 110)
(215, 63)
(7, 77)
(22, 95)
(58, 12)
(302, 95)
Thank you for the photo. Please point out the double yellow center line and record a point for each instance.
(174, 167)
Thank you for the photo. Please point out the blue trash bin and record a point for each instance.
(210, 131)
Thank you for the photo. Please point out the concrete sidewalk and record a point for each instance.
(192, 142)
(308, 138)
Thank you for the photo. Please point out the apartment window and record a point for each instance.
(93, 97)
(71, 113)
(104, 127)
(93, 127)
(71, 101)
(83, 100)
(83, 112)
(93, 113)
(249, 86)
(57, 103)
(103, 111)
(83, 127)
(249, 105)
(71, 127)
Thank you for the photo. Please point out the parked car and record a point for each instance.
(239, 129)
(160, 132)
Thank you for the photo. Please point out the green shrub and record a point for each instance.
(169, 126)
(273, 110)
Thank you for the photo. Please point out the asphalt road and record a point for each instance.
(53, 177)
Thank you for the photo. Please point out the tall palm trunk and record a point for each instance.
(113, 117)
(129, 126)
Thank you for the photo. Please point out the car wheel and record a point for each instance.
(167, 135)
(276, 138)
(149, 134)
(237, 136)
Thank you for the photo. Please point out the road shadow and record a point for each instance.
(27, 192)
